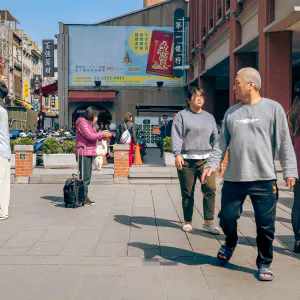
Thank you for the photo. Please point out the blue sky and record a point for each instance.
(39, 18)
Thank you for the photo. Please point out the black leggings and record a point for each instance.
(296, 211)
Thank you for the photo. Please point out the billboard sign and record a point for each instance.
(26, 90)
(121, 56)
(48, 58)
(179, 42)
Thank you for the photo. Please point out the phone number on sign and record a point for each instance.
(109, 78)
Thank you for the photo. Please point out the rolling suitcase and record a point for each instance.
(74, 190)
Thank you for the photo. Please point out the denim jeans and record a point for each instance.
(264, 197)
(191, 171)
(87, 174)
(296, 211)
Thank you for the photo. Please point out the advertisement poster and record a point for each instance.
(160, 57)
(121, 56)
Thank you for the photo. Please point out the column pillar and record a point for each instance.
(23, 163)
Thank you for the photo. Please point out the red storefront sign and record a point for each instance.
(160, 58)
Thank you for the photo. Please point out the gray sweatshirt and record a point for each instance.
(192, 133)
(253, 134)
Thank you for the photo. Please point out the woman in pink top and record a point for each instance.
(87, 136)
(294, 120)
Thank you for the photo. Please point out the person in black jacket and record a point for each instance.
(165, 130)
(130, 126)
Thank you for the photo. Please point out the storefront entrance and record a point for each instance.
(104, 115)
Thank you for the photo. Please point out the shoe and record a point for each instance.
(3, 218)
(88, 201)
(297, 247)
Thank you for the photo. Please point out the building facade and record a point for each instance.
(114, 101)
(20, 60)
(226, 35)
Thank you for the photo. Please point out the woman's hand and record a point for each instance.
(179, 161)
(106, 134)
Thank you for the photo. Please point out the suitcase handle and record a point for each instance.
(82, 163)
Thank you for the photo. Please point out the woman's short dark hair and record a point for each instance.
(194, 91)
(90, 113)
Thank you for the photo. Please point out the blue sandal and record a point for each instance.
(225, 251)
(265, 271)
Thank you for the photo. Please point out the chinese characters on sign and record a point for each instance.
(160, 54)
(48, 58)
(179, 42)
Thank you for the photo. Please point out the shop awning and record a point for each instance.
(48, 89)
(290, 21)
(162, 108)
(24, 103)
(91, 96)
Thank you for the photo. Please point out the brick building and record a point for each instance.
(226, 35)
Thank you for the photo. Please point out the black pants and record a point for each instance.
(264, 196)
(191, 171)
(87, 174)
(296, 211)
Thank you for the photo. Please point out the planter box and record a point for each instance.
(13, 161)
(169, 159)
(59, 161)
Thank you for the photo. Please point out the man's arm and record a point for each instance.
(284, 146)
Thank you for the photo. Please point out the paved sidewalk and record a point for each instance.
(130, 246)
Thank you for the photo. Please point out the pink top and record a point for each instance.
(87, 136)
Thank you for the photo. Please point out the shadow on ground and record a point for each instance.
(138, 221)
(187, 257)
(58, 201)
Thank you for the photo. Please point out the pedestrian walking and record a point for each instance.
(253, 131)
(87, 136)
(294, 120)
(193, 133)
(165, 130)
(129, 127)
(5, 155)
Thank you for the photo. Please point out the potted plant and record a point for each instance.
(57, 156)
(20, 141)
(169, 158)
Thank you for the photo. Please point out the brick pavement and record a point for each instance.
(130, 246)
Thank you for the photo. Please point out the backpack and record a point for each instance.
(126, 136)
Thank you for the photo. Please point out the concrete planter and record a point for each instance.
(13, 161)
(169, 159)
(60, 161)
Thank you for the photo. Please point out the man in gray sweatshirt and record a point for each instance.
(253, 131)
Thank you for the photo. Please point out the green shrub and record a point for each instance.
(167, 144)
(20, 141)
(52, 146)
(69, 147)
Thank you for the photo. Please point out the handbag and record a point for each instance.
(101, 148)
(126, 137)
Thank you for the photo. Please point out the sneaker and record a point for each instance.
(3, 218)
(88, 201)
